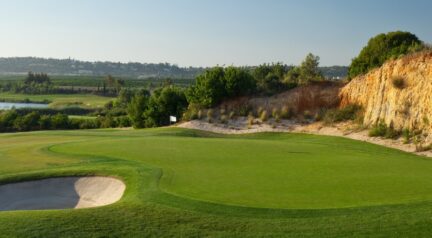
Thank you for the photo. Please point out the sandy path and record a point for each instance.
(240, 127)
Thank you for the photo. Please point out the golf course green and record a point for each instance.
(189, 183)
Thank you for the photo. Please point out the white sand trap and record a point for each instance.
(61, 193)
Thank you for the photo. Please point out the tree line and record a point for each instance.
(147, 109)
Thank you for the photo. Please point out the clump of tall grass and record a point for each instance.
(232, 115)
(210, 114)
(286, 112)
(200, 114)
(250, 120)
(224, 119)
(382, 130)
(264, 116)
(307, 115)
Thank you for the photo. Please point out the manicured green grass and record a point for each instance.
(193, 184)
(60, 100)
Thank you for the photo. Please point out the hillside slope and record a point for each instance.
(311, 98)
(405, 106)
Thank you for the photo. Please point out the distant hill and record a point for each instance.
(22, 65)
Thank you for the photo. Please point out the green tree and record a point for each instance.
(165, 102)
(238, 82)
(269, 77)
(136, 108)
(209, 88)
(381, 48)
(124, 98)
(308, 70)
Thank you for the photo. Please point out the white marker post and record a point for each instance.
(173, 119)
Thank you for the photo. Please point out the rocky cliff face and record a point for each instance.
(399, 93)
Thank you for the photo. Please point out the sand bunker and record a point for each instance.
(61, 193)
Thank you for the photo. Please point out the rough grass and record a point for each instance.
(185, 183)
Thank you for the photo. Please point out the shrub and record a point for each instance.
(286, 112)
(398, 82)
(222, 111)
(244, 110)
(231, 115)
(391, 133)
(307, 115)
(406, 134)
(378, 130)
(275, 113)
(349, 112)
(382, 130)
(250, 120)
(277, 118)
(224, 119)
(200, 114)
(192, 112)
(259, 111)
(209, 115)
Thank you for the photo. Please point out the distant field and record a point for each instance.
(95, 81)
(186, 183)
(60, 100)
(82, 117)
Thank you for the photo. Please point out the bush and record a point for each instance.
(398, 82)
(231, 115)
(286, 112)
(406, 134)
(224, 119)
(244, 110)
(193, 112)
(378, 130)
(222, 111)
(210, 115)
(391, 133)
(349, 112)
(259, 111)
(382, 130)
(307, 115)
(200, 114)
(250, 120)
(275, 113)
(277, 118)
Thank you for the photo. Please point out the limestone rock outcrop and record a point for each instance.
(398, 93)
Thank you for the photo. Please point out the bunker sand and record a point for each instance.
(61, 193)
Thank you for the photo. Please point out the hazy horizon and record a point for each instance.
(203, 33)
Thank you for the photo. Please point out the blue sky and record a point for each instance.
(204, 32)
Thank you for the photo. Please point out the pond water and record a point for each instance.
(10, 105)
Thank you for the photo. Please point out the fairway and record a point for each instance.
(196, 183)
(59, 100)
